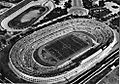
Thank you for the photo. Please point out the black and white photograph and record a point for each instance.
(59, 41)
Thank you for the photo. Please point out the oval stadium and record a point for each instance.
(59, 41)
(59, 52)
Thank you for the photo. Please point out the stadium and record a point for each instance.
(61, 51)
(59, 41)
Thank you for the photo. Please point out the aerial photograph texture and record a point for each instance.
(59, 41)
